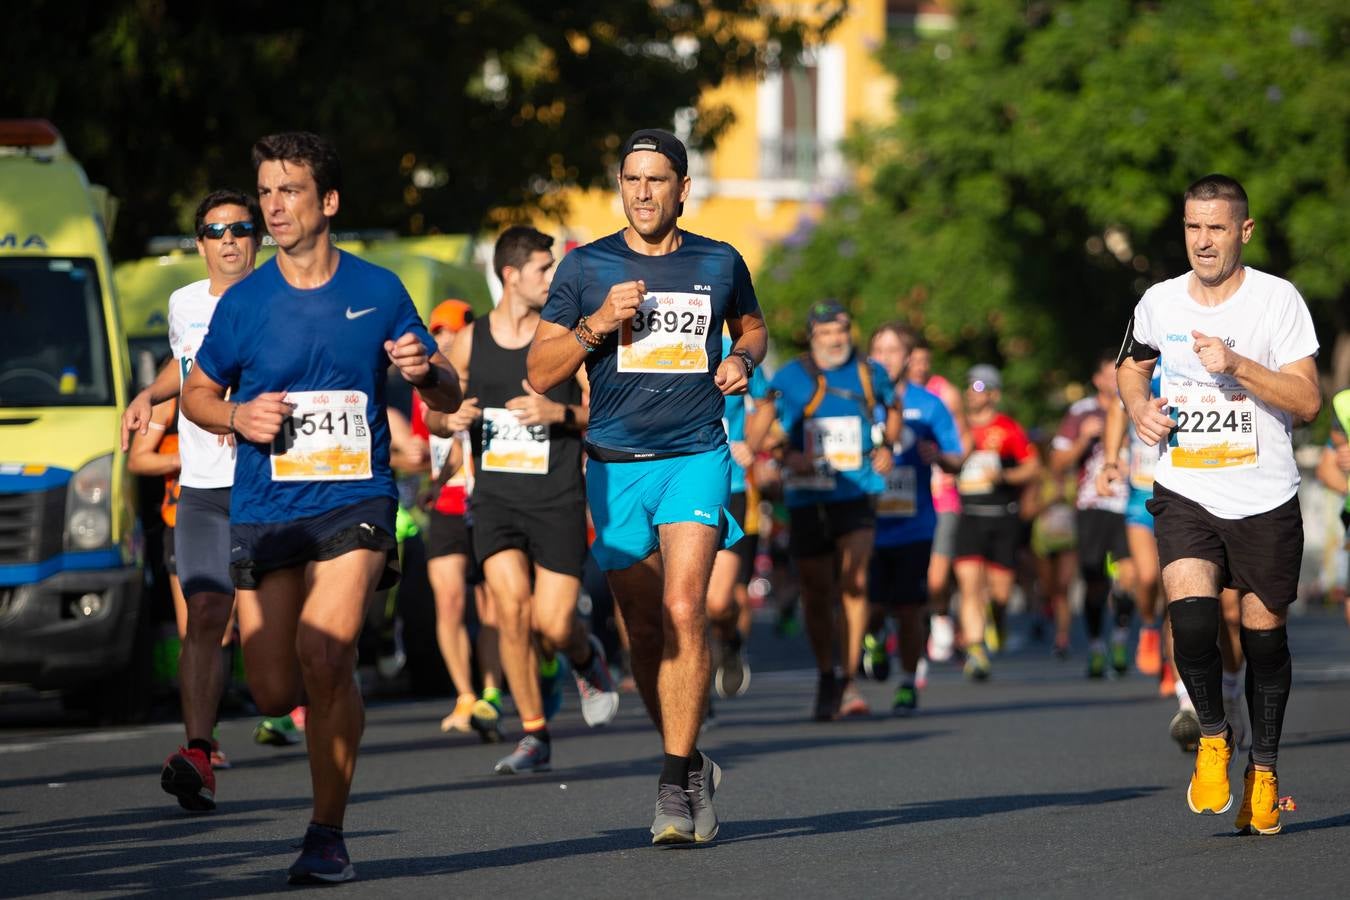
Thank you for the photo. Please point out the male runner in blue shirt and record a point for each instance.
(643, 310)
(303, 344)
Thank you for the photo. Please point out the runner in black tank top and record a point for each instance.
(528, 503)
(547, 458)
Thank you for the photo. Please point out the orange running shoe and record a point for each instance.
(1148, 655)
(1167, 685)
(1209, 791)
(1259, 812)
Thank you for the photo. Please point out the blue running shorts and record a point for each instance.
(1136, 512)
(630, 500)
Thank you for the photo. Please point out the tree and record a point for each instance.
(442, 111)
(1029, 188)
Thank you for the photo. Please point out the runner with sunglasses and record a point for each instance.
(229, 228)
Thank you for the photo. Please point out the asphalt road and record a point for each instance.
(1038, 783)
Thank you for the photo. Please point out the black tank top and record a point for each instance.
(508, 474)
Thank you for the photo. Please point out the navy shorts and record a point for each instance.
(259, 548)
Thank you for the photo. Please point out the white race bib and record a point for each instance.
(669, 335)
(837, 440)
(980, 473)
(1216, 428)
(509, 446)
(326, 438)
(1143, 461)
(900, 498)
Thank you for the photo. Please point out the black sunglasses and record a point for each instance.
(216, 230)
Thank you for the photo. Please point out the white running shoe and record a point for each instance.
(941, 638)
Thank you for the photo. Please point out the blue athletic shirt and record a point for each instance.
(795, 388)
(734, 415)
(266, 336)
(703, 283)
(910, 484)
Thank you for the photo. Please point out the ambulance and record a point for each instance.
(72, 614)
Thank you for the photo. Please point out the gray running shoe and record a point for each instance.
(732, 677)
(599, 699)
(703, 785)
(1185, 730)
(674, 823)
(530, 755)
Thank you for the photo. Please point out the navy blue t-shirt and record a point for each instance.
(325, 348)
(905, 513)
(652, 387)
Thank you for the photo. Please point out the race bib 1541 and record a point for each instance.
(326, 438)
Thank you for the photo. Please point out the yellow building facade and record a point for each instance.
(782, 155)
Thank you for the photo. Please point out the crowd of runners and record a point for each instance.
(611, 414)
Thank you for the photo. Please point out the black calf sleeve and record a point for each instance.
(1123, 601)
(1269, 673)
(1094, 606)
(1195, 641)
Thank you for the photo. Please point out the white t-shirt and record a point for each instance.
(206, 462)
(1230, 452)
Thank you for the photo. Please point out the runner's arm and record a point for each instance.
(447, 424)
(138, 412)
(1330, 473)
(759, 423)
(144, 457)
(1133, 379)
(1293, 388)
(1113, 436)
(1024, 472)
(555, 356)
(258, 420)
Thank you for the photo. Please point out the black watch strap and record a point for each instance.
(747, 359)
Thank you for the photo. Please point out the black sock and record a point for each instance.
(542, 734)
(734, 642)
(695, 761)
(675, 770)
(1269, 673)
(333, 828)
(585, 663)
(1195, 640)
(202, 745)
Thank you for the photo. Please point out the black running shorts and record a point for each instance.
(257, 549)
(553, 537)
(993, 539)
(815, 529)
(1100, 532)
(1260, 554)
(898, 576)
(447, 535)
(745, 547)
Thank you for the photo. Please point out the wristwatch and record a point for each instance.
(747, 359)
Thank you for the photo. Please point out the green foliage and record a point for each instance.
(443, 111)
(1030, 188)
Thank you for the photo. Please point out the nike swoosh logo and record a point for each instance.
(359, 314)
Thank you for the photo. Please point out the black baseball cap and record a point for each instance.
(823, 311)
(658, 141)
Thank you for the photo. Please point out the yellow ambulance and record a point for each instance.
(71, 610)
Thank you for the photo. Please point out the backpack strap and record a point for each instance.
(865, 378)
(813, 370)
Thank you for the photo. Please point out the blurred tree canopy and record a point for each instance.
(1030, 187)
(442, 111)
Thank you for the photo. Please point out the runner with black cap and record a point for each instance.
(643, 310)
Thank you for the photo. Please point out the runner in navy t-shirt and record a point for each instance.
(303, 346)
(643, 309)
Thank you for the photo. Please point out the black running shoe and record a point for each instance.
(323, 858)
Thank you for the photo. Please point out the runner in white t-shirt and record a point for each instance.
(229, 228)
(1236, 349)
